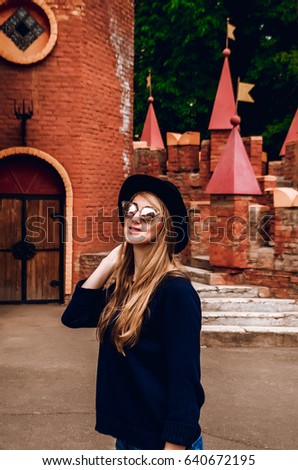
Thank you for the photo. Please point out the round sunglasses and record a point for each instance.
(146, 214)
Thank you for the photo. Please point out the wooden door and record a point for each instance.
(44, 228)
(31, 249)
(32, 195)
(10, 233)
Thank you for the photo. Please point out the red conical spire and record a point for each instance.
(292, 133)
(224, 104)
(233, 173)
(151, 133)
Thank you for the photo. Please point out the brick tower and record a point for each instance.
(66, 138)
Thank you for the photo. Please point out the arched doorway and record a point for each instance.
(32, 196)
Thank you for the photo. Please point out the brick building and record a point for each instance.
(243, 211)
(71, 61)
(66, 149)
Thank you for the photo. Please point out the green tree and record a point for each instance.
(181, 41)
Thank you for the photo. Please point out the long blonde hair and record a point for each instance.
(128, 304)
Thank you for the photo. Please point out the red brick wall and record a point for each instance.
(217, 142)
(286, 238)
(183, 170)
(254, 148)
(229, 237)
(248, 240)
(183, 158)
(205, 173)
(282, 284)
(199, 221)
(290, 163)
(150, 161)
(276, 168)
(82, 95)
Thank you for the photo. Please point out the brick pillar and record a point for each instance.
(205, 172)
(183, 158)
(229, 231)
(183, 169)
(150, 161)
(276, 168)
(286, 237)
(290, 162)
(267, 182)
(254, 149)
(217, 143)
(199, 221)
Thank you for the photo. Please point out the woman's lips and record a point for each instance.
(133, 229)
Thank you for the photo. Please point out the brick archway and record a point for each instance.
(68, 203)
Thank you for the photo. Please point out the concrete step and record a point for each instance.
(205, 276)
(201, 262)
(251, 319)
(282, 182)
(250, 336)
(205, 290)
(242, 304)
(243, 315)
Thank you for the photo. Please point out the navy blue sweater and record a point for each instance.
(152, 394)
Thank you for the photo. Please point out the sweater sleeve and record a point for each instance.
(182, 324)
(84, 308)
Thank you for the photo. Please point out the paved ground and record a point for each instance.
(48, 383)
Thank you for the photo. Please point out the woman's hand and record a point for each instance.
(103, 270)
(113, 257)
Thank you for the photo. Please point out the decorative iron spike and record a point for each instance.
(23, 116)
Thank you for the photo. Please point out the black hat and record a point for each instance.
(170, 196)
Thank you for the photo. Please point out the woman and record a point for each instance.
(148, 321)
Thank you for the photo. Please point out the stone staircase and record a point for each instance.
(234, 315)
(243, 316)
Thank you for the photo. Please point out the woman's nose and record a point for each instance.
(136, 216)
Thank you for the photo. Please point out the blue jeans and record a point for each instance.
(123, 445)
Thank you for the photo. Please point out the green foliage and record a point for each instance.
(181, 41)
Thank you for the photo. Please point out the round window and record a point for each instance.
(28, 31)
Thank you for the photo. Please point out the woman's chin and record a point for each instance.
(135, 238)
